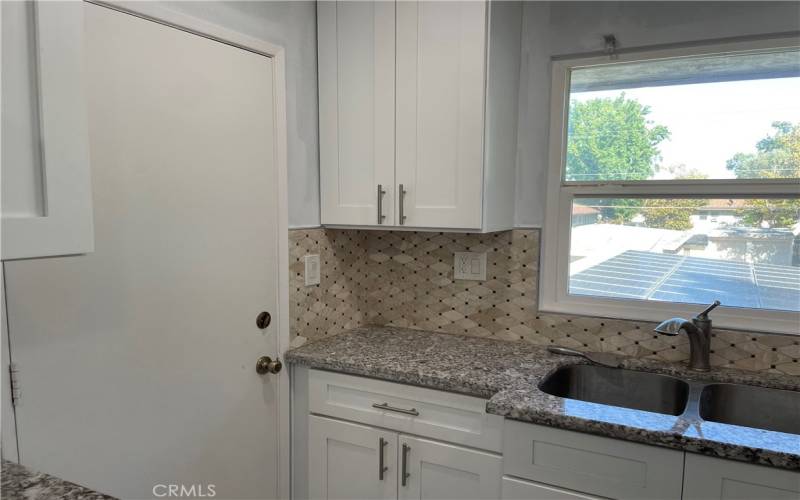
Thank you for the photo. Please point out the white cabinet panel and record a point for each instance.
(596, 465)
(442, 415)
(518, 489)
(46, 187)
(344, 461)
(440, 471)
(420, 98)
(715, 478)
(441, 53)
(356, 98)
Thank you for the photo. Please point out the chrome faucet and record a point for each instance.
(699, 332)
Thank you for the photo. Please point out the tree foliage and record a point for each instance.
(672, 213)
(777, 156)
(612, 139)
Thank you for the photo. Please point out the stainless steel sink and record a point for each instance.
(619, 387)
(751, 406)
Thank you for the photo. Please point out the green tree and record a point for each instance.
(612, 139)
(671, 213)
(777, 156)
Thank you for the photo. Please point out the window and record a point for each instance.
(674, 182)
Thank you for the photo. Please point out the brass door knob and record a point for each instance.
(265, 364)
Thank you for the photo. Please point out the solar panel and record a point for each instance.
(696, 280)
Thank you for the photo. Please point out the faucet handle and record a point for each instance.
(704, 315)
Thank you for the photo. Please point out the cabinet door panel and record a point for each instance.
(46, 188)
(344, 460)
(707, 477)
(440, 105)
(439, 471)
(356, 101)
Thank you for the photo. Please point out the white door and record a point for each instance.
(440, 103)
(356, 103)
(137, 362)
(439, 471)
(345, 461)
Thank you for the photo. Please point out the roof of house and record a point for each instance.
(724, 204)
(583, 210)
(694, 280)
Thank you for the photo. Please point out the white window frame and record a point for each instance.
(554, 276)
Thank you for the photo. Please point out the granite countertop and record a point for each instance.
(508, 375)
(19, 482)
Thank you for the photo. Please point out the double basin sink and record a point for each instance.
(736, 404)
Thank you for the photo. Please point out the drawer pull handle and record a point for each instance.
(381, 468)
(405, 475)
(385, 406)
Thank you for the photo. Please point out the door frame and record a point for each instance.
(157, 13)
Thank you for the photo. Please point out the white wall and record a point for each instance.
(294, 26)
(567, 28)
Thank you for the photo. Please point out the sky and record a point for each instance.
(710, 122)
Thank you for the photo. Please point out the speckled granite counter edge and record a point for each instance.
(20, 483)
(512, 387)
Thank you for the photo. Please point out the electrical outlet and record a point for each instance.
(311, 269)
(469, 266)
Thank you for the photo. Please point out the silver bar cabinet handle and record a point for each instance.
(381, 468)
(405, 475)
(402, 202)
(381, 192)
(385, 406)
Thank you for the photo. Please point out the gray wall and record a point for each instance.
(566, 28)
(294, 26)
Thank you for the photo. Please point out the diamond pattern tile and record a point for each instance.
(404, 278)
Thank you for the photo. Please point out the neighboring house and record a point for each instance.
(583, 215)
(757, 246)
(717, 213)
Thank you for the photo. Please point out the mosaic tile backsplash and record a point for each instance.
(403, 278)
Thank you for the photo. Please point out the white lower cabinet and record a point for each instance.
(519, 489)
(344, 460)
(441, 471)
(591, 465)
(708, 478)
(352, 461)
(410, 443)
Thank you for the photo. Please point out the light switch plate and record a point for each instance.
(469, 266)
(311, 269)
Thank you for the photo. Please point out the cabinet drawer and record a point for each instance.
(592, 464)
(708, 477)
(414, 410)
(518, 489)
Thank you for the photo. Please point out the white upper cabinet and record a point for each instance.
(444, 151)
(46, 182)
(356, 111)
(440, 85)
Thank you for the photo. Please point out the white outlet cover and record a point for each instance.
(311, 269)
(469, 266)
